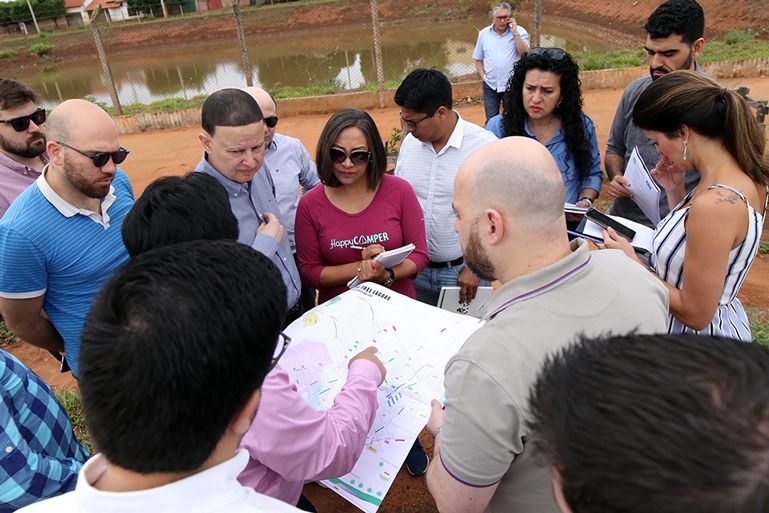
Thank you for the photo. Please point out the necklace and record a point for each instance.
(542, 133)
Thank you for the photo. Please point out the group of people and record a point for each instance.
(169, 309)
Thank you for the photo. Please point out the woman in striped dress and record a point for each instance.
(704, 248)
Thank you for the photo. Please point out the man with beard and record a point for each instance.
(22, 140)
(60, 240)
(673, 43)
(508, 200)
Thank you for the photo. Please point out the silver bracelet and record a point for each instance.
(437, 431)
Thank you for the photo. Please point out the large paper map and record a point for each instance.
(414, 341)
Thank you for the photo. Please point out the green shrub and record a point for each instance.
(759, 325)
(41, 49)
(72, 402)
(8, 55)
(740, 36)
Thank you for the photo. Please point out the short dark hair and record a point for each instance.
(568, 110)
(173, 209)
(424, 90)
(229, 107)
(14, 94)
(664, 423)
(683, 17)
(347, 118)
(175, 344)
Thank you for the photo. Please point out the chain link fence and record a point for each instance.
(296, 49)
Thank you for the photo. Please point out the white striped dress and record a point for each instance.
(668, 262)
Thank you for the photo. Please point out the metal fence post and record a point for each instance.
(378, 53)
(537, 21)
(242, 39)
(107, 76)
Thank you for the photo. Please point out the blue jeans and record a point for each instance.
(491, 101)
(429, 282)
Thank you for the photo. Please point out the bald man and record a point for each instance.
(290, 166)
(60, 240)
(508, 199)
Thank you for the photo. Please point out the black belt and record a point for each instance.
(293, 313)
(443, 265)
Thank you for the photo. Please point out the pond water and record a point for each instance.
(343, 56)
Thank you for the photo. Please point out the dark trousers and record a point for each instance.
(491, 101)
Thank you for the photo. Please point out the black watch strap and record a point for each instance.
(392, 277)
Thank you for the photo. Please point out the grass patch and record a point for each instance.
(6, 336)
(165, 105)
(764, 247)
(41, 48)
(610, 60)
(8, 54)
(759, 325)
(71, 401)
(281, 91)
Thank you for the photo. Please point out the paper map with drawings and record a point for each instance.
(414, 341)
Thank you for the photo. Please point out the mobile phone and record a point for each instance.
(605, 221)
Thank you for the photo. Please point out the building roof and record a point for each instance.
(105, 4)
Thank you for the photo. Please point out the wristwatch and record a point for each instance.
(590, 200)
(391, 279)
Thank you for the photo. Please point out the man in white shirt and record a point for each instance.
(174, 352)
(436, 143)
(499, 47)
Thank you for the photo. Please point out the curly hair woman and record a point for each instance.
(543, 101)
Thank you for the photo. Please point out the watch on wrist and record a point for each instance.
(590, 200)
(391, 279)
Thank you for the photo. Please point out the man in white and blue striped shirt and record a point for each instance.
(60, 239)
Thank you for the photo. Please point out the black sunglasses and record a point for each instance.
(100, 159)
(271, 121)
(280, 348)
(22, 123)
(413, 124)
(358, 157)
(554, 53)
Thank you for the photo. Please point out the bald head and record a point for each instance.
(78, 121)
(518, 177)
(269, 109)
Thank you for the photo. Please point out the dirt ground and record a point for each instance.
(176, 152)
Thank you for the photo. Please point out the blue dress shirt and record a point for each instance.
(567, 166)
(249, 201)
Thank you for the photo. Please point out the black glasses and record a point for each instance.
(358, 157)
(280, 348)
(100, 159)
(413, 124)
(271, 121)
(554, 53)
(22, 123)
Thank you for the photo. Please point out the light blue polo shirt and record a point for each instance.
(50, 247)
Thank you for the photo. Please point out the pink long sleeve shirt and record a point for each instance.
(289, 442)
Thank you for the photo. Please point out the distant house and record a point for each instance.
(114, 10)
(76, 15)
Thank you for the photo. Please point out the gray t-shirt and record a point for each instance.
(625, 136)
(485, 438)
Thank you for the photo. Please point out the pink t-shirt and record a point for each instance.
(324, 233)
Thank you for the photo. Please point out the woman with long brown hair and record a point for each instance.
(705, 246)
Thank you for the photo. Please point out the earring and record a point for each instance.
(686, 150)
(558, 105)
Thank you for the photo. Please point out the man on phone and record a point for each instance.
(499, 47)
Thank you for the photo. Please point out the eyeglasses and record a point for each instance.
(22, 123)
(413, 124)
(502, 17)
(358, 157)
(271, 121)
(100, 159)
(280, 348)
(554, 53)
